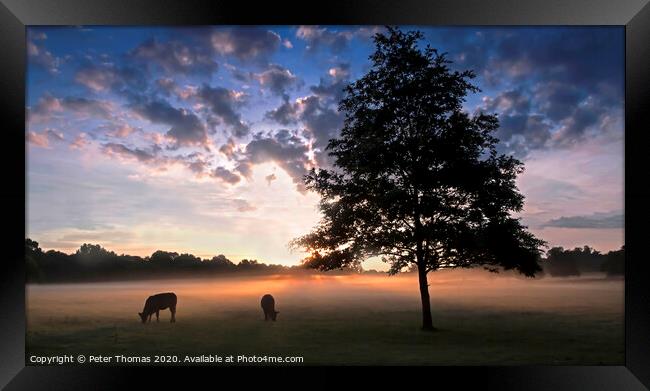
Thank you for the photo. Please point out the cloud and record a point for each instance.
(318, 113)
(44, 138)
(565, 83)
(245, 43)
(119, 130)
(285, 114)
(185, 127)
(49, 106)
(104, 237)
(38, 139)
(578, 54)
(98, 79)
(519, 134)
(277, 79)
(556, 191)
(243, 205)
(549, 116)
(154, 157)
(196, 162)
(320, 37)
(558, 100)
(270, 178)
(368, 32)
(573, 56)
(36, 35)
(54, 135)
(240, 75)
(122, 151)
(229, 148)
(198, 167)
(225, 175)
(596, 220)
(317, 37)
(80, 141)
(175, 57)
(223, 103)
(166, 85)
(40, 56)
(94, 108)
(574, 128)
(320, 120)
(107, 77)
(508, 101)
(284, 148)
(332, 90)
(340, 72)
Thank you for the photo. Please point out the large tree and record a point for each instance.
(415, 179)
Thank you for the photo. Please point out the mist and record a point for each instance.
(454, 288)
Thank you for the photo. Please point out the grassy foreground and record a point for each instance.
(338, 321)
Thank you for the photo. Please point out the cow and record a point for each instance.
(268, 305)
(158, 302)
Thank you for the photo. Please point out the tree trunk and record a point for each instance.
(427, 321)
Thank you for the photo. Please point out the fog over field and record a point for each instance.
(206, 297)
(482, 317)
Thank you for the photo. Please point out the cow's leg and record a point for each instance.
(173, 311)
(150, 318)
(158, 316)
(266, 316)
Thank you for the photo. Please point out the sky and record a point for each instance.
(195, 139)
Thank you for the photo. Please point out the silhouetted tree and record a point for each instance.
(31, 247)
(221, 261)
(588, 259)
(248, 264)
(33, 255)
(56, 264)
(415, 179)
(94, 253)
(162, 258)
(187, 260)
(614, 264)
(561, 262)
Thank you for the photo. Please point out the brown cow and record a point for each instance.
(268, 305)
(156, 303)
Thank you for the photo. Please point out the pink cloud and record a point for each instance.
(79, 142)
(38, 139)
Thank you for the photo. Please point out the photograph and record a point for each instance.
(325, 195)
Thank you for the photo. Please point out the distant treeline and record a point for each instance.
(91, 262)
(561, 262)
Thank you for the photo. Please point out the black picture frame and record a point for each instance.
(633, 14)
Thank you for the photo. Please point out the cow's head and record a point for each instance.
(275, 315)
(143, 317)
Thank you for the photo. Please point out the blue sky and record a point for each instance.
(195, 139)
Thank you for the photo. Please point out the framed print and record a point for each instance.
(220, 190)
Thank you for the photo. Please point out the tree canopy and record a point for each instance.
(415, 178)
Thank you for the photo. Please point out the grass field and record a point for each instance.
(348, 320)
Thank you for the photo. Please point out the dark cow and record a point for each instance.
(158, 302)
(268, 305)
